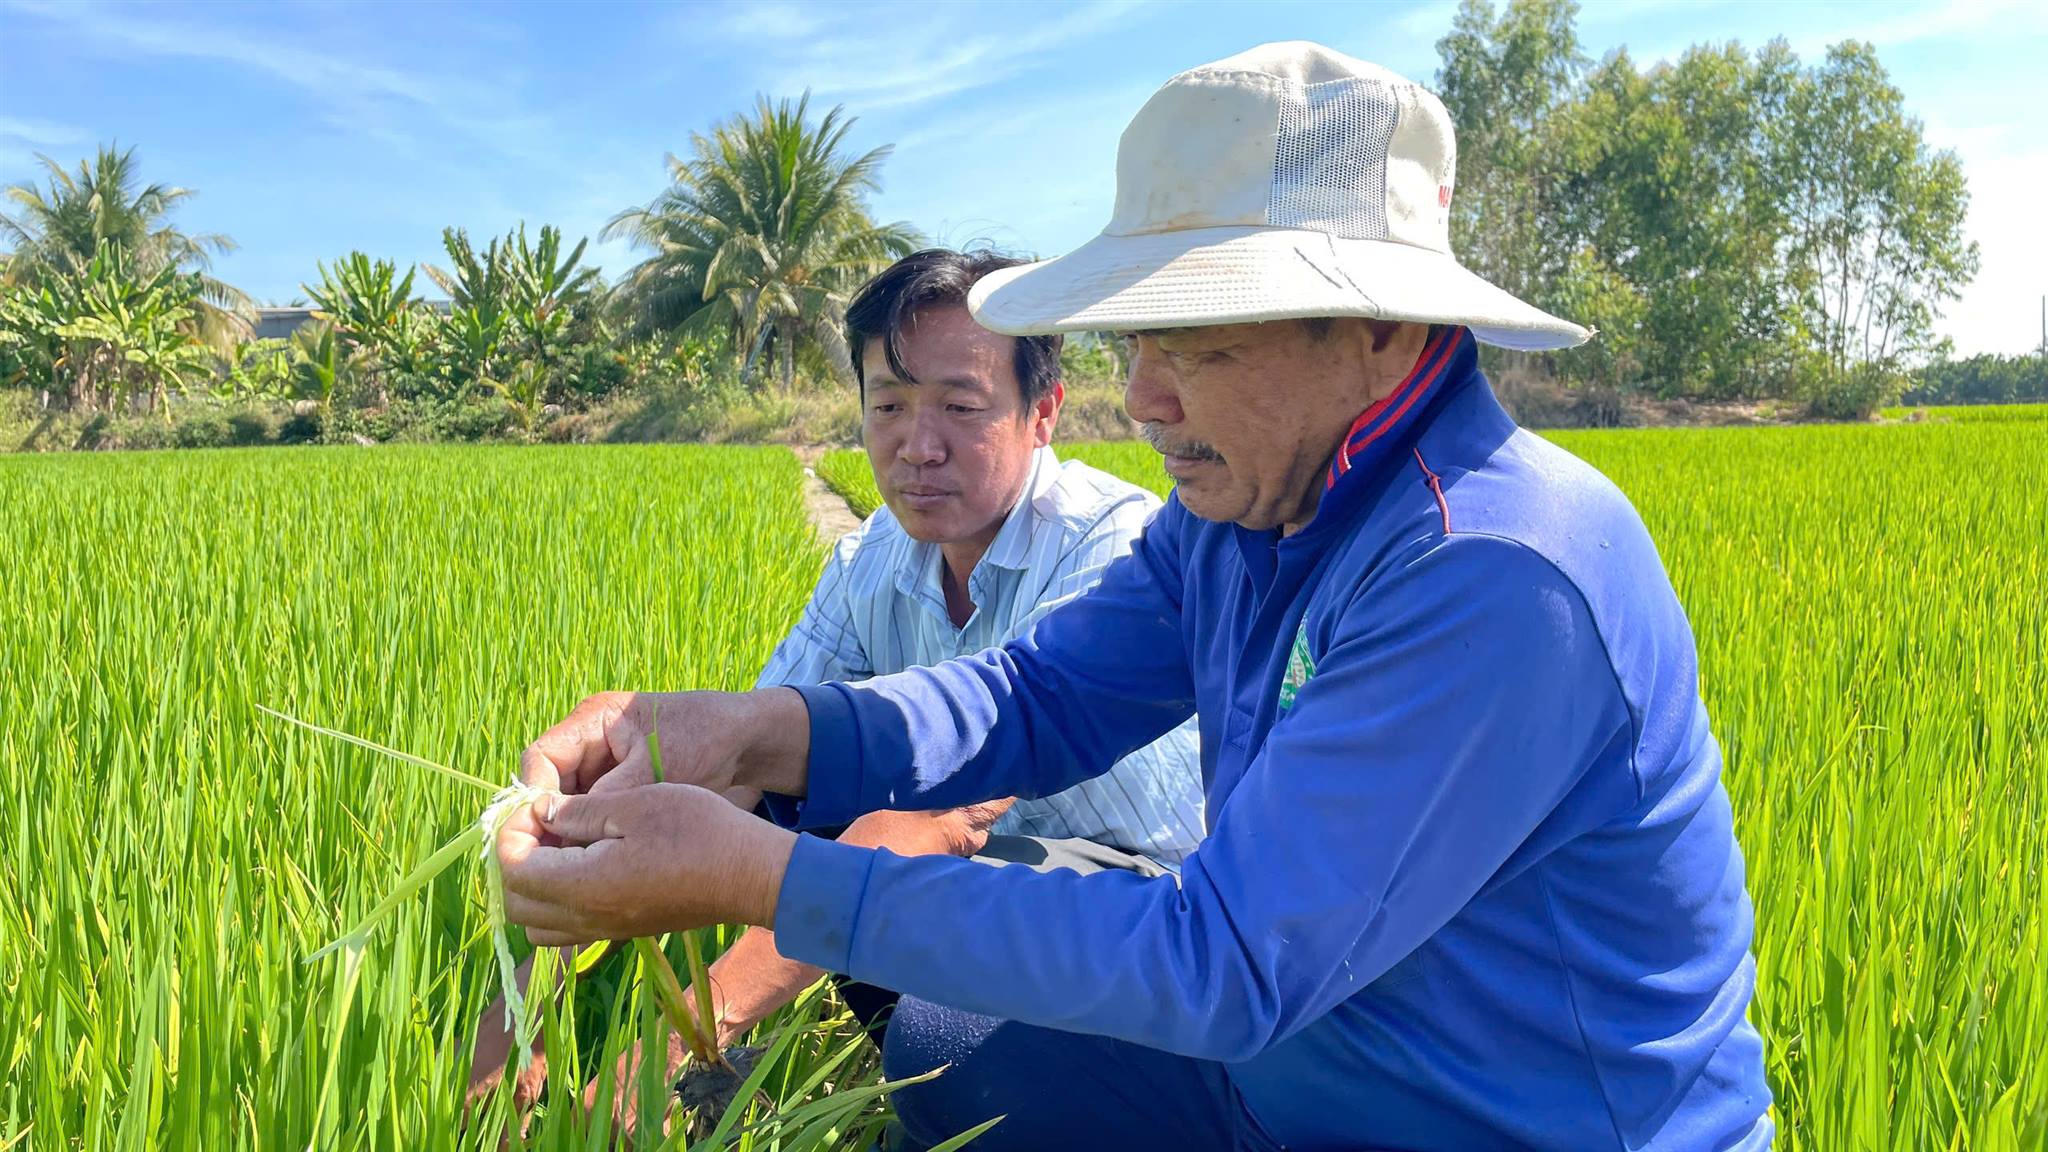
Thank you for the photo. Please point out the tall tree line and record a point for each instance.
(1736, 224)
(752, 251)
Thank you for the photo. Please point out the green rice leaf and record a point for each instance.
(409, 758)
(961, 1141)
(443, 857)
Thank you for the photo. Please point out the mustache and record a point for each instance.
(1156, 436)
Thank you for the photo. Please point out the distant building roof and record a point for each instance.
(280, 323)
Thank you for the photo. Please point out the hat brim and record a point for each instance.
(1201, 276)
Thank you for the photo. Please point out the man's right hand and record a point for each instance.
(731, 743)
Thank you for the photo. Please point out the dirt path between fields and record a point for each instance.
(828, 510)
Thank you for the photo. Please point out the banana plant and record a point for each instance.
(262, 370)
(122, 333)
(362, 297)
(516, 308)
(478, 291)
(375, 311)
(525, 389)
(550, 292)
(321, 371)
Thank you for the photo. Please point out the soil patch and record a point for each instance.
(828, 511)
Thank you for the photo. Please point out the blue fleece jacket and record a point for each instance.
(1470, 878)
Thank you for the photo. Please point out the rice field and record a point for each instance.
(170, 855)
(1969, 413)
(1874, 651)
(1873, 643)
(846, 472)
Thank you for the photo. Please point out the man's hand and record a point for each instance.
(732, 743)
(752, 979)
(639, 862)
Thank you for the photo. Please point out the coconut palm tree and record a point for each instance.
(764, 231)
(58, 229)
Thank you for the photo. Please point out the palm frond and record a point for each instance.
(764, 227)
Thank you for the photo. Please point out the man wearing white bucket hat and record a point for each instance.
(1470, 878)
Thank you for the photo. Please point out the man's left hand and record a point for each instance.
(639, 862)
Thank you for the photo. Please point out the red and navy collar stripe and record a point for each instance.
(1369, 434)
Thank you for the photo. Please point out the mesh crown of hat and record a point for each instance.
(1338, 119)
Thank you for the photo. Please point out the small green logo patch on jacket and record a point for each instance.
(1300, 666)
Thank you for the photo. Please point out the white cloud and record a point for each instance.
(1049, 120)
(40, 132)
(1935, 21)
(364, 96)
(22, 138)
(1429, 21)
(894, 62)
(1035, 180)
(1891, 26)
(771, 20)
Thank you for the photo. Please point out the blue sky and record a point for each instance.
(312, 129)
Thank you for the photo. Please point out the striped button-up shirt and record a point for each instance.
(880, 608)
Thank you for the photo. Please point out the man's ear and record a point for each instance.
(1045, 413)
(1390, 351)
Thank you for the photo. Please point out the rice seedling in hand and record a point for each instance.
(711, 1088)
(481, 841)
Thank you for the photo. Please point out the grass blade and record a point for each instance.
(445, 856)
(372, 745)
(324, 1114)
(960, 1141)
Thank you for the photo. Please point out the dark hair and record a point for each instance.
(938, 277)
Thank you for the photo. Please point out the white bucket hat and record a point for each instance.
(1287, 181)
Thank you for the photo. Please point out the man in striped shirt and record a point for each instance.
(984, 530)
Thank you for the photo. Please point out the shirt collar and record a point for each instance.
(921, 574)
(1382, 435)
(1012, 546)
